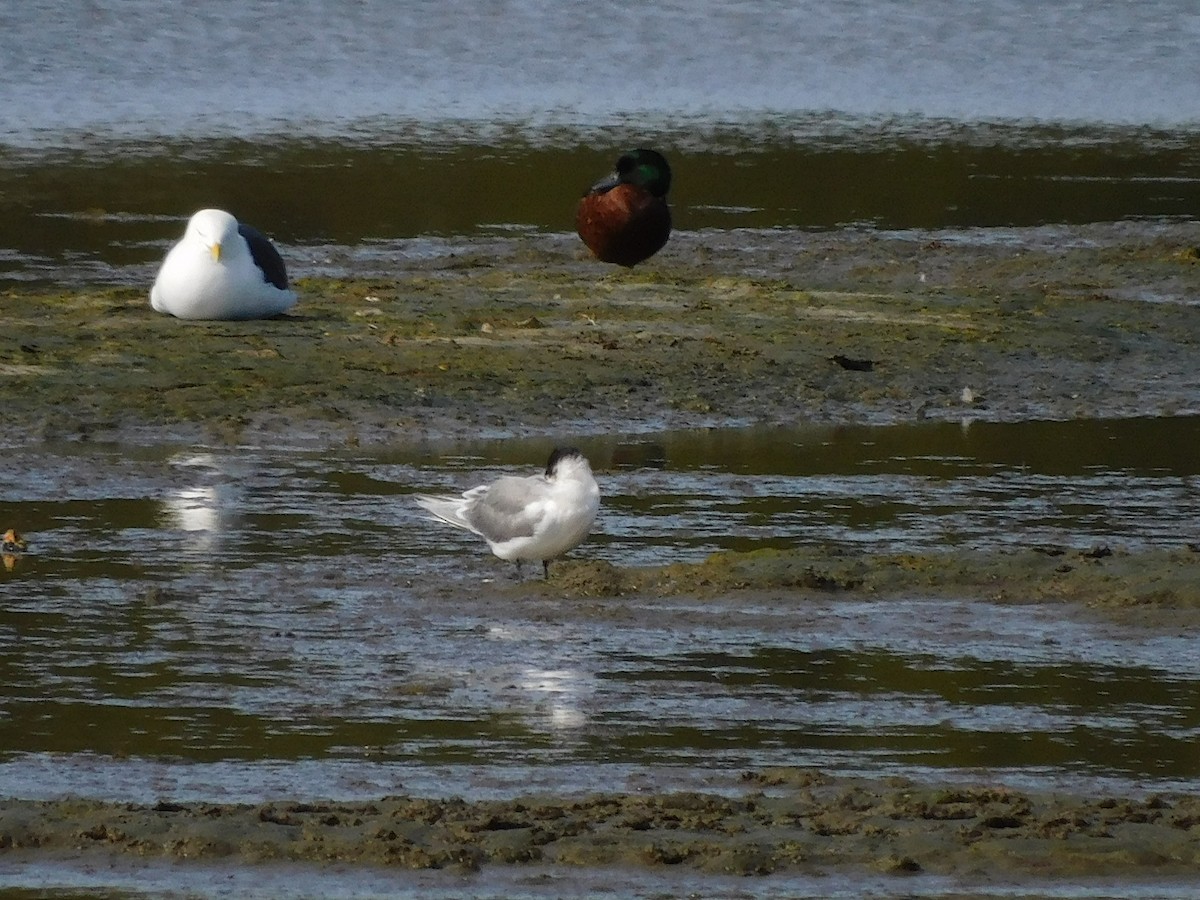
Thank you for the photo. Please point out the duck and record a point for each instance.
(624, 218)
(12, 542)
(222, 269)
(533, 517)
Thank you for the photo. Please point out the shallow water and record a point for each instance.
(534, 883)
(104, 215)
(367, 137)
(235, 625)
(139, 66)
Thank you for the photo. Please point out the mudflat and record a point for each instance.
(723, 328)
(788, 820)
(765, 327)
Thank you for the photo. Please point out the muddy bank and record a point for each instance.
(528, 337)
(1160, 588)
(787, 820)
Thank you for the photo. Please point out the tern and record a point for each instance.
(537, 517)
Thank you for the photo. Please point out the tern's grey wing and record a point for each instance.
(448, 509)
(511, 508)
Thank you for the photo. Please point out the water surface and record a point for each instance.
(528, 882)
(331, 65)
(340, 209)
(234, 625)
(358, 133)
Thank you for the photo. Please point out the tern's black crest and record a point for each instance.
(560, 453)
(265, 256)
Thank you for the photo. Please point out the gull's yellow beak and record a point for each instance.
(215, 249)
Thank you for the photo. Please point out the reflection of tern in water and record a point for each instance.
(559, 693)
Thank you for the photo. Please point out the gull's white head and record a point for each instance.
(214, 228)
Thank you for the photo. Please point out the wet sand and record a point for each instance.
(728, 328)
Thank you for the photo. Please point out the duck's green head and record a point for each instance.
(644, 168)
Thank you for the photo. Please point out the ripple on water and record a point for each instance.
(213, 623)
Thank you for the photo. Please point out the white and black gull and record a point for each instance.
(537, 517)
(222, 270)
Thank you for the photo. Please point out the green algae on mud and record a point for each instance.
(785, 820)
(1099, 578)
(538, 341)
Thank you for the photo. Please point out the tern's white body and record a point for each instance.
(538, 517)
(218, 271)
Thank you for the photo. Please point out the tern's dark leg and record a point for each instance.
(546, 569)
(518, 570)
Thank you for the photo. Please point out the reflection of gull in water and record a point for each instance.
(194, 509)
(199, 508)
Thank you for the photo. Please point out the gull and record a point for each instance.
(221, 269)
(534, 517)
